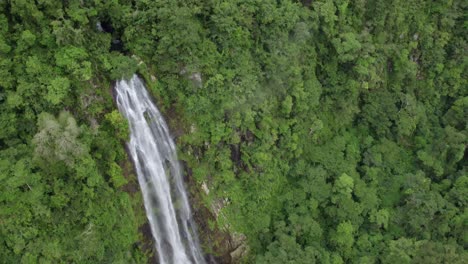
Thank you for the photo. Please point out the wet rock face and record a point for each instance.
(233, 245)
(238, 247)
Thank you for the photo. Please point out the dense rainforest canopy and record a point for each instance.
(333, 131)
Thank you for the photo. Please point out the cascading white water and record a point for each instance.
(160, 176)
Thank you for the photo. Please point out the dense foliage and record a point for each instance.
(60, 141)
(334, 131)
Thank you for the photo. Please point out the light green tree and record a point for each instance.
(57, 139)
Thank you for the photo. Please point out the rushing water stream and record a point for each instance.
(160, 176)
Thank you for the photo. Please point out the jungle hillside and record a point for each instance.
(318, 131)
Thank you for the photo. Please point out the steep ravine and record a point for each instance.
(223, 246)
(218, 245)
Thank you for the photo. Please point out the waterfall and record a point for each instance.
(159, 175)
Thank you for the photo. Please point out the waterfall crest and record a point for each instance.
(159, 175)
